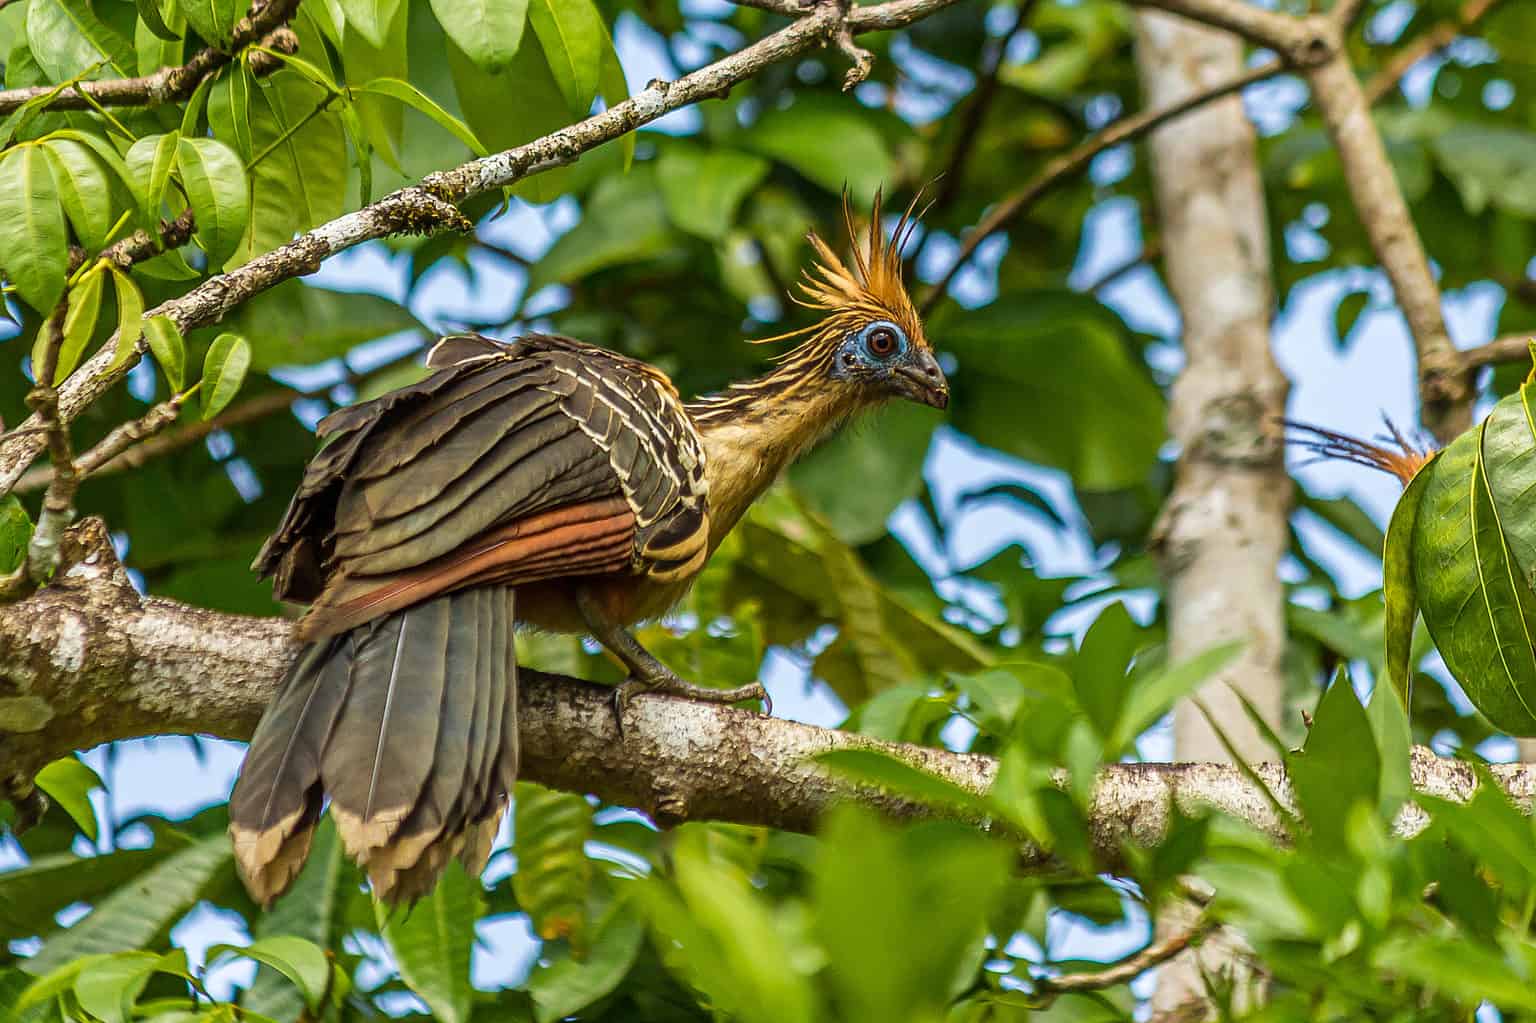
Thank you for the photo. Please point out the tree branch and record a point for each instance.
(264, 25)
(1515, 348)
(89, 660)
(430, 207)
(1073, 161)
(1434, 39)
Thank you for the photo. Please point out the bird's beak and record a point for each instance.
(921, 380)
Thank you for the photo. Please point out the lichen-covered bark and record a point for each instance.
(1223, 530)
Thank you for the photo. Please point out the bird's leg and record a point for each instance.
(646, 673)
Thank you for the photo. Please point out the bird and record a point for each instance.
(539, 482)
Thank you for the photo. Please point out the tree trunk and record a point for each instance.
(1223, 530)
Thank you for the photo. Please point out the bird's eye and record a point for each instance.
(883, 339)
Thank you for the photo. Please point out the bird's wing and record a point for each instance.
(511, 463)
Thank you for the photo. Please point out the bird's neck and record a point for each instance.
(753, 430)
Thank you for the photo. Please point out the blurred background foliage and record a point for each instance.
(905, 581)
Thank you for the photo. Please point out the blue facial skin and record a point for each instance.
(865, 355)
(880, 354)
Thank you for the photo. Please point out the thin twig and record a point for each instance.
(1515, 348)
(1073, 161)
(265, 24)
(1150, 252)
(1431, 41)
(1131, 967)
(788, 8)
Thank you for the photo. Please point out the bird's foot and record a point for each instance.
(666, 683)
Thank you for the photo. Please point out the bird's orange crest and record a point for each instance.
(873, 287)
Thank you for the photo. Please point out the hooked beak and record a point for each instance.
(921, 380)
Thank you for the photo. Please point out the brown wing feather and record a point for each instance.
(511, 463)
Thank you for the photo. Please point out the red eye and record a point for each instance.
(882, 341)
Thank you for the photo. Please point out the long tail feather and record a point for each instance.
(402, 723)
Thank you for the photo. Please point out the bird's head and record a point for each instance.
(870, 338)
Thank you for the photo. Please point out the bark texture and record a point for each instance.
(1223, 530)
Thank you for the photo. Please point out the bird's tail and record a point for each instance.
(409, 725)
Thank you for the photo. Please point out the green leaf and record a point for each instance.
(295, 324)
(1509, 457)
(1476, 607)
(830, 140)
(408, 94)
(568, 985)
(1398, 587)
(214, 178)
(69, 783)
(299, 178)
(15, 533)
(1489, 164)
(1049, 376)
(149, 14)
(150, 160)
(169, 349)
(1394, 741)
(107, 988)
(1338, 767)
(229, 107)
(214, 20)
(624, 222)
(489, 32)
(1461, 968)
(79, 322)
(1149, 698)
(703, 187)
(885, 452)
(155, 51)
(139, 914)
(431, 944)
(889, 773)
(889, 955)
(302, 962)
(84, 190)
(1098, 672)
(573, 36)
(130, 317)
(34, 246)
(380, 123)
(311, 911)
(1346, 314)
(66, 37)
(553, 873)
(372, 18)
(224, 370)
(30, 896)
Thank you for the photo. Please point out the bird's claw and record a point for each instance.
(670, 685)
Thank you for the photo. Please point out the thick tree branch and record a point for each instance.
(264, 25)
(88, 660)
(429, 207)
(1515, 348)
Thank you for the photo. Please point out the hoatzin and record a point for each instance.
(543, 482)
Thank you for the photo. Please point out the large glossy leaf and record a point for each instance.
(224, 369)
(34, 245)
(69, 782)
(84, 190)
(431, 943)
(31, 895)
(67, 37)
(150, 161)
(1481, 615)
(572, 35)
(1509, 454)
(383, 119)
(489, 32)
(372, 18)
(1050, 376)
(138, 914)
(214, 178)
